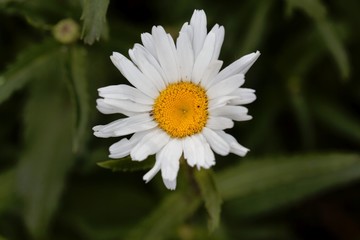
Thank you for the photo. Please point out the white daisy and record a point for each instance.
(180, 103)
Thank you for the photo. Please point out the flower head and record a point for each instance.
(180, 102)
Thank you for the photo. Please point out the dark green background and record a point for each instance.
(299, 181)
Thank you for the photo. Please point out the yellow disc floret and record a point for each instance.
(181, 109)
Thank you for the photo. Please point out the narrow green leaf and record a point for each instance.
(94, 17)
(301, 112)
(210, 195)
(29, 63)
(338, 118)
(49, 120)
(170, 213)
(6, 188)
(335, 46)
(127, 165)
(313, 8)
(257, 27)
(317, 11)
(308, 48)
(2, 238)
(79, 78)
(266, 184)
(4, 2)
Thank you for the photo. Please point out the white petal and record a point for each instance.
(189, 30)
(242, 65)
(196, 149)
(235, 147)
(217, 143)
(166, 53)
(150, 174)
(219, 123)
(209, 156)
(111, 126)
(125, 125)
(174, 51)
(198, 23)
(169, 157)
(133, 75)
(105, 108)
(202, 160)
(146, 67)
(120, 149)
(170, 184)
(125, 105)
(220, 34)
(237, 113)
(149, 144)
(185, 55)
(152, 60)
(109, 106)
(123, 147)
(204, 58)
(135, 128)
(210, 72)
(148, 43)
(125, 92)
(220, 102)
(243, 96)
(189, 151)
(226, 86)
(199, 154)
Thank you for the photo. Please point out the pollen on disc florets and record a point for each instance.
(181, 109)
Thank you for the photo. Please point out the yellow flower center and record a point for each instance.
(181, 109)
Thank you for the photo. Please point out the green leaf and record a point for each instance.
(317, 11)
(4, 2)
(37, 13)
(6, 188)
(257, 27)
(335, 46)
(210, 195)
(313, 8)
(81, 93)
(29, 63)
(170, 213)
(127, 165)
(42, 170)
(266, 184)
(308, 48)
(94, 17)
(301, 112)
(338, 119)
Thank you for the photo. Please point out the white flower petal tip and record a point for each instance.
(180, 101)
(170, 184)
(240, 66)
(252, 57)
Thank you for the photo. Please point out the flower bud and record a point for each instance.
(66, 31)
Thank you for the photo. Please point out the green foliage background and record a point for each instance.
(300, 180)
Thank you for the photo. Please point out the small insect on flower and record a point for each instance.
(180, 102)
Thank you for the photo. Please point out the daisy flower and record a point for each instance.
(179, 103)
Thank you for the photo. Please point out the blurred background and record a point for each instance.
(301, 179)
